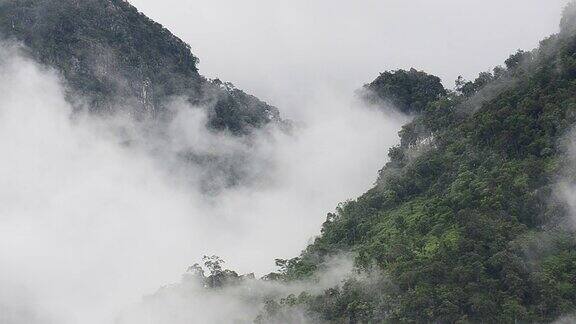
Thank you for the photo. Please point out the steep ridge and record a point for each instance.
(468, 221)
(117, 58)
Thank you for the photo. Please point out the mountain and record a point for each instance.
(116, 58)
(471, 220)
(468, 222)
(407, 91)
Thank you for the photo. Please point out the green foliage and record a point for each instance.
(115, 57)
(408, 91)
(462, 217)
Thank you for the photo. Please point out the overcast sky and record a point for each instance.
(280, 50)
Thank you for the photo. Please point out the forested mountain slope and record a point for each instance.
(467, 222)
(117, 58)
(407, 91)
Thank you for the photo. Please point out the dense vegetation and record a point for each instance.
(463, 222)
(115, 57)
(408, 91)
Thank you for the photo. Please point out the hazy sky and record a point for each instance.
(279, 50)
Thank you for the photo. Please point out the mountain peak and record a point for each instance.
(117, 58)
(407, 91)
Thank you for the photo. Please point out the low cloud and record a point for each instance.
(191, 302)
(97, 211)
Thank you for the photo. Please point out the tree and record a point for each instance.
(408, 91)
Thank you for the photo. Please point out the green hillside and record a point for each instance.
(407, 91)
(464, 223)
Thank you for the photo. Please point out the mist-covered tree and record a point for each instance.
(408, 91)
(469, 88)
(568, 22)
(217, 276)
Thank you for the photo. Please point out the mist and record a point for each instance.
(241, 302)
(279, 51)
(97, 212)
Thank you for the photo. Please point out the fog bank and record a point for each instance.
(96, 212)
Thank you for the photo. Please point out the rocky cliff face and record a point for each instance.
(117, 58)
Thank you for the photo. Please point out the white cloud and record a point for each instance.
(89, 224)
